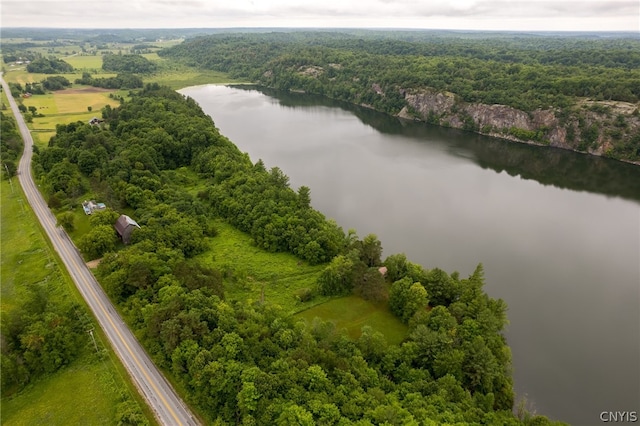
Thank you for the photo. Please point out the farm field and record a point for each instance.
(89, 63)
(66, 106)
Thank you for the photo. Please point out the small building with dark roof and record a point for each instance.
(124, 227)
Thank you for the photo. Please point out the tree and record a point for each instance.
(398, 296)
(87, 162)
(371, 250)
(100, 240)
(107, 216)
(337, 277)
(371, 286)
(294, 415)
(397, 266)
(66, 220)
(416, 299)
(9, 168)
(304, 196)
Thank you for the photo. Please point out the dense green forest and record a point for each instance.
(251, 363)
(523, 72)
(388, 72)
(120, 81)
(131, 64)
(49, 66)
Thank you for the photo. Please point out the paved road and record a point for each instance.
(167, 406)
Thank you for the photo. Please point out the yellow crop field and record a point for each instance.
(66, 106)
(72, 101)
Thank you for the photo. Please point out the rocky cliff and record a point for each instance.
(601, 128)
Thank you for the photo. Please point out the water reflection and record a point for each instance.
(549, 166)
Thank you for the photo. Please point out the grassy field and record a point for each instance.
(25, 259)
(22, 76)
(56, 400)
(29, 260)
(250, 270)
(89, 63)
(352, 313)
(66, 106)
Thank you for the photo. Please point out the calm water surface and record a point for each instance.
(558, 232)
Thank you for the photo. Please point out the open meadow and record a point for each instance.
(253, 274)
(88, 63)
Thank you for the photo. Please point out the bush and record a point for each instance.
(304, 294)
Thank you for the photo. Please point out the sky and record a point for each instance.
(518, 15)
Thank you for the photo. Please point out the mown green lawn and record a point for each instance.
(351, 313)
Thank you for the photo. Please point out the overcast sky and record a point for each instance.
(551, 15)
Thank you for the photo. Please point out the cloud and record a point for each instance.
(507, 14)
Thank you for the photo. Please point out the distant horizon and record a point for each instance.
(407, 29)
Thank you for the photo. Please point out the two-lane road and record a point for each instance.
(167, 406)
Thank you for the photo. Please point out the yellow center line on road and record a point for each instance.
(131, 353)
(48, 222)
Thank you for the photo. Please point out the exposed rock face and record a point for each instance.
(498, 116)
(427, 101)
(543, 127)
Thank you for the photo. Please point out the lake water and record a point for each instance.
(558, 232)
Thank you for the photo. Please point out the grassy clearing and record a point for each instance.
(352, 313)
(179, 79)
(85, 393)
(250, 270)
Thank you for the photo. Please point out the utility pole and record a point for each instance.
(94, 340)
(9, 176)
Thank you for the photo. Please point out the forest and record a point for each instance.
(127, 63)
(528, 73)
(49, 66)
(249, 362)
